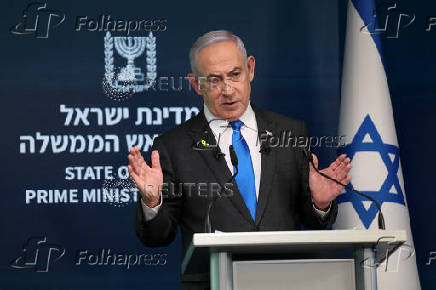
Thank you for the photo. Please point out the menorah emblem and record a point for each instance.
(130, 77)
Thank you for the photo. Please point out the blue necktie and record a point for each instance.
(245, 177)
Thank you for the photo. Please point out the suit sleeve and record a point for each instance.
(310, 218)
(161, 230)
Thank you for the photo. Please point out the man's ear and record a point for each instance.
(250, 65)
(195, 83)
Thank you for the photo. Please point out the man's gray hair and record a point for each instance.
(210, 38)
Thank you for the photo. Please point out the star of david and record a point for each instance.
(382, 194)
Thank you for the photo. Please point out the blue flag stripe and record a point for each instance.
(366, 10)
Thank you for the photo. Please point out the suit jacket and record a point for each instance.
(284, 201)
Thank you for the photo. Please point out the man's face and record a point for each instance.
(224, 79)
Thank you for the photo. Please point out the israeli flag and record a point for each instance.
(366, 121)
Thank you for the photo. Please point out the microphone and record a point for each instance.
(264, 149)
(381, 219)
(218, 154)
(234, 159)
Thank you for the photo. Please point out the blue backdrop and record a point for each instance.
(66, 128)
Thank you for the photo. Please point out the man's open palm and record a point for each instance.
(147, 179)
(324, 190)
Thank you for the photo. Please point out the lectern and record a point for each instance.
(336, 259)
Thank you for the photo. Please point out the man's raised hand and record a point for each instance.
(324, 190)
(147, 179)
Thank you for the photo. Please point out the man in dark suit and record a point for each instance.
(274, 189)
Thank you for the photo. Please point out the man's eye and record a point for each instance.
(235, 75)
(214, 80)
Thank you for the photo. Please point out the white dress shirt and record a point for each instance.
(223, 135)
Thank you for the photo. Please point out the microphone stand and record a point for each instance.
(234, 159)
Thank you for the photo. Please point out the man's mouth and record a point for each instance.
(230, 103)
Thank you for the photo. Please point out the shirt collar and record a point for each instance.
(220, 125)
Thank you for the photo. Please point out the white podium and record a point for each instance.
(330, 259)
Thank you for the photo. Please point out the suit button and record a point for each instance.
(257, 228)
